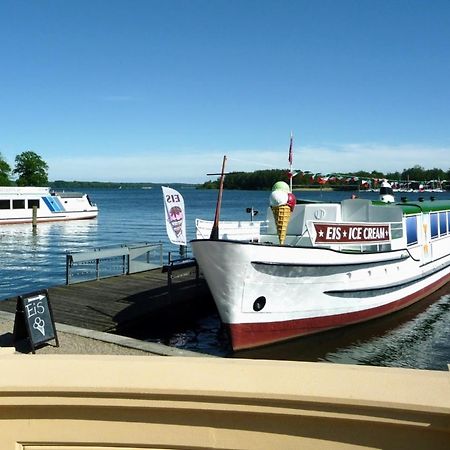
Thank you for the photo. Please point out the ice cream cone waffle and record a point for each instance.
(281, 214)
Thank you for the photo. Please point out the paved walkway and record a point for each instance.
(75, 340)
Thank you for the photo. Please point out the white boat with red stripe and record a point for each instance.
(341, 263)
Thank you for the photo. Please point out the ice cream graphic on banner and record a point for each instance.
(282, 203)
(175, 216)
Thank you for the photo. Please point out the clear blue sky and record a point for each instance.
(127, 90)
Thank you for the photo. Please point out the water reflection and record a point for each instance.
(44, 231)
(409, 345)
(34, 258)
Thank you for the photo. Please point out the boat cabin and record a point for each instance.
(366, 226)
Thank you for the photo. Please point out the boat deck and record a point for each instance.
(132, 305)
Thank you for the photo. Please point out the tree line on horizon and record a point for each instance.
(32, 170)
(265, 179)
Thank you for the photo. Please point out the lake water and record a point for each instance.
(417, 337)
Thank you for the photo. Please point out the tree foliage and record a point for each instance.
(31, 169)
(5, 172)
(420, 174)
(258, 180)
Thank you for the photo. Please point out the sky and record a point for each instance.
(160, 91)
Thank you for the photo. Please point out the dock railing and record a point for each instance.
(104, 262)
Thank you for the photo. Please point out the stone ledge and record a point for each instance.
(130, 402)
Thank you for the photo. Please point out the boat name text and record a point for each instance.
(350, 232)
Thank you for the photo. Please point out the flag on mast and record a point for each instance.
(290, 159)
(291, 154)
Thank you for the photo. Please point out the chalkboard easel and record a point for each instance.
(34, 319)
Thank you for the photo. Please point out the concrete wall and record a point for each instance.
(127, 402)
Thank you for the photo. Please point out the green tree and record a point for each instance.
(31, 169)
(5, 171)
(258, 180)
(416, 173)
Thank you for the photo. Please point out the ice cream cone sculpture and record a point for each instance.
(282, 203)
(281, 214)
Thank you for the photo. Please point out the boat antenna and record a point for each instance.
(215, 229)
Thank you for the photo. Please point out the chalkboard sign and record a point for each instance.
(34, 319)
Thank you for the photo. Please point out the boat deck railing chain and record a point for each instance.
(104, 262)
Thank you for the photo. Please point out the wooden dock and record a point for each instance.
(138, 305)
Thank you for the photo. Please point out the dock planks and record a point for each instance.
(126, 304)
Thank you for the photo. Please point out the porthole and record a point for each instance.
(259, 304)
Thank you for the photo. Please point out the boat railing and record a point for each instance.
(109, 261)
(232, 230)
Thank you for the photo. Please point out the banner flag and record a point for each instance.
(291, 151)
(175, 216)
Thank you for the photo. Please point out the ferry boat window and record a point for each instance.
(434, 225)
(411, 230)
(443, 223)
(18, 204)
(396, 230)
(32, 203)
(5, 204)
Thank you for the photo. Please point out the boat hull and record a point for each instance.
(267, 293)
(251, 335)
(50, 218)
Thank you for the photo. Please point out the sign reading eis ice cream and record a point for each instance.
(354, 233)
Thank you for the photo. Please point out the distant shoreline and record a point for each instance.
(60, 184)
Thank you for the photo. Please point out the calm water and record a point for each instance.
(417, 337)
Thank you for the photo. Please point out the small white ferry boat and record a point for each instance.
(340, 264)
(17, 204)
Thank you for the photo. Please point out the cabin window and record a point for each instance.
(434, 225)
(5, 204)
(443, 228)
(411, 230)
(18, 204)
(32, 203)
(396, 230)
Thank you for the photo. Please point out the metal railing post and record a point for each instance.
(67, 269)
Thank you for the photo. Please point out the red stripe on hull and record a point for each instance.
(250, 335)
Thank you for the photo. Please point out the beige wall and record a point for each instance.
(123, 402)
